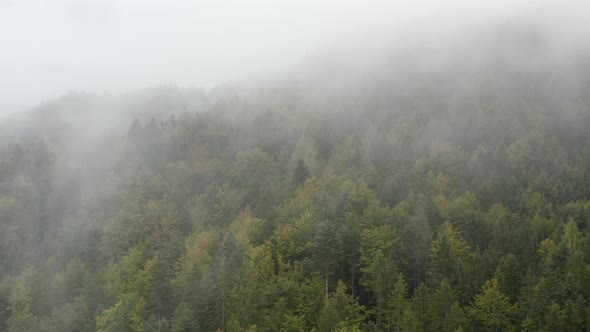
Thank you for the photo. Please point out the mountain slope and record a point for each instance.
(405, 190)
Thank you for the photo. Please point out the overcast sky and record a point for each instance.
(52, 47)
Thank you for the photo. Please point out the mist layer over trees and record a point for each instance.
(439, 186)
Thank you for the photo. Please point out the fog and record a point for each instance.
(294, 165)
(53, 47)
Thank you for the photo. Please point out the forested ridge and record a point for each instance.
(405, 195)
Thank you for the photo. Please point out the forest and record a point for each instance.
(393, 194)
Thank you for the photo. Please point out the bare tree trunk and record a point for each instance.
(352, 282)
(326, 284)
(379, 313)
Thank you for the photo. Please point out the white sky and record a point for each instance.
(51, 47)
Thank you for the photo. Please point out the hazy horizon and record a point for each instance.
(55, 47)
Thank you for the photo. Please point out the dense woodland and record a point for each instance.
(403, 195)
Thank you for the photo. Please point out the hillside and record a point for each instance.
(439, 187)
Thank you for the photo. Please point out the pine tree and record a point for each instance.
(492, 308)
(300, 173)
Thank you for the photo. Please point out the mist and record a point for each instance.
(55, 47)
(302, 166)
